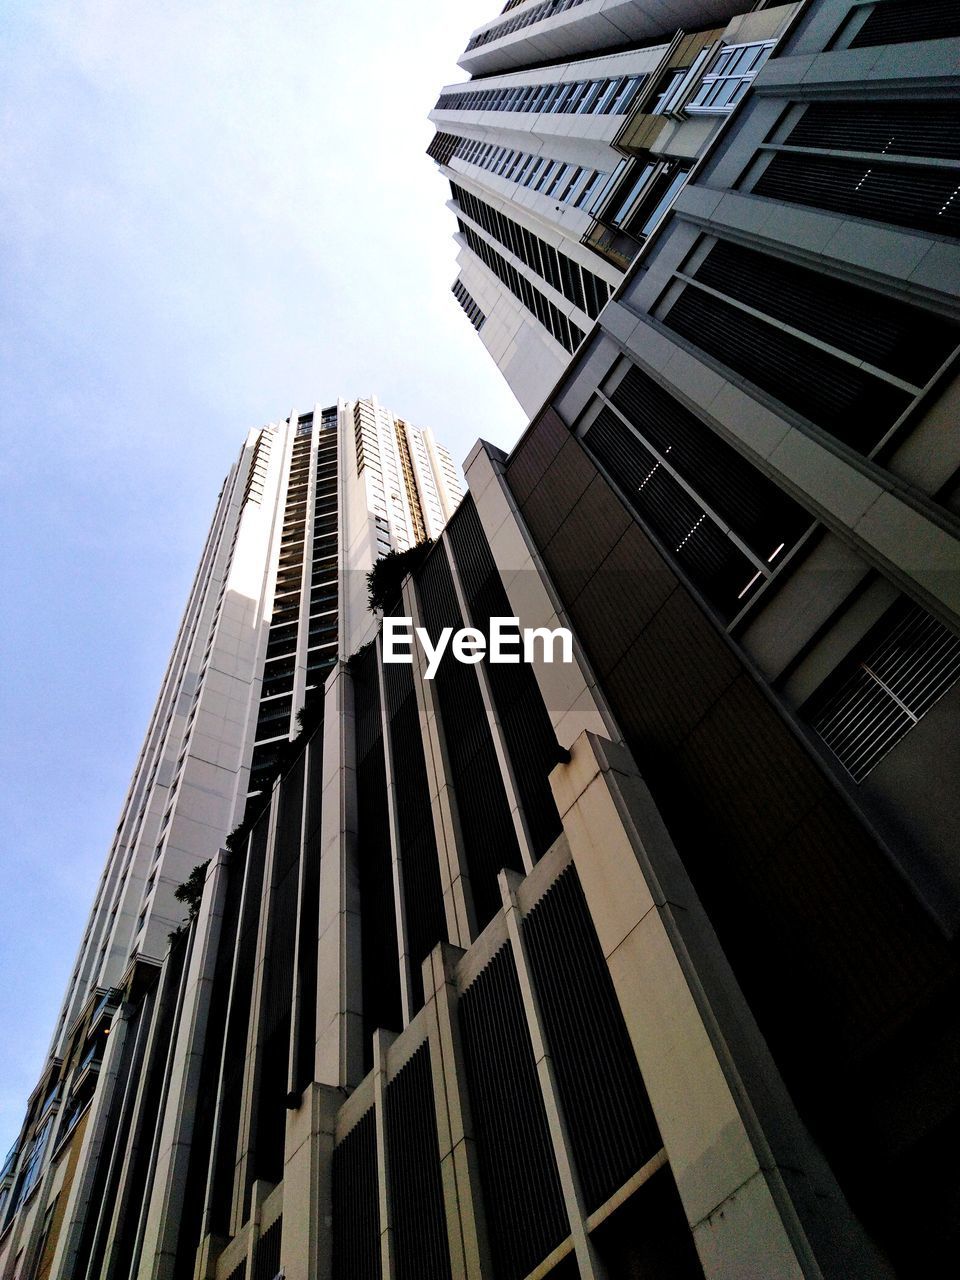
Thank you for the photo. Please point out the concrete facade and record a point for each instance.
(279, 595)
(562, 158)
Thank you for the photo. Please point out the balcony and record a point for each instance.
(89, 1067)
(612, 244)
(102, 1015)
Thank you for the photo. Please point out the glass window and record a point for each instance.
(546, 175)
(665, 201)
(540, 96)
(550, 103)
(604, 188)
(574, 179)
(589, 187)
(525, 167)
(607, 95)
(641, 180)
(666, 92)
(590, 97)
(624, 97)
(559, 102)
(577, 96)
(559, 179)
(729, 77)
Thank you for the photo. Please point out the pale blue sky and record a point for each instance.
(211, 212)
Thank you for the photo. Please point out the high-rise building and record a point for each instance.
(771, 606)
(645, 963)
(566, 147)
(279, 596)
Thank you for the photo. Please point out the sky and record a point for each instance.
(210, 213)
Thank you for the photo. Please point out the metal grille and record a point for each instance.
(525, 19)
(278, 981)
(891, 128)
(527, 729)
(356, 1211)
(903, 340)
(235, 1050)
(379, 951)
(611, 1124)
(522, 1197)
(443, 146)
(423, 892)
(904, 665)
(470, 307)
(489, 838)
(239, 1272)
(266, 1253)
(901, 21)
(761, 513)
(583, 288)
(309, 917)
(718, 567)
(855, 406)
(416, 1190)
(903, 195)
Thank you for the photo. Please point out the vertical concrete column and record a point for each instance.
(454, 874)
(142, 1132)
(460, 1175)
(252, 1060)
(399, 893)
(759, 1197)
(211, 1243)
(589, 1264)
(304, 949)
(339, 1049)
(306, 1245)
(570, 691)
(381, 1044)
(258, 1194)
(166, 1199)
(507, 774)
(97, 1141)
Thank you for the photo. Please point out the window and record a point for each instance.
(552, 319)
(611, 96)
(32, 1165)
(641, 180)
(901, 668)
(664, 196)
(579, 285)
(647, 199)
(666, 90)
(472, 310)
(621, 103)
(603, 188)
(729, 77)
(715, 514)
(538, 13)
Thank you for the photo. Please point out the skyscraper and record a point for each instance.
(279, 596)
(567, 146)
(643, 963)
